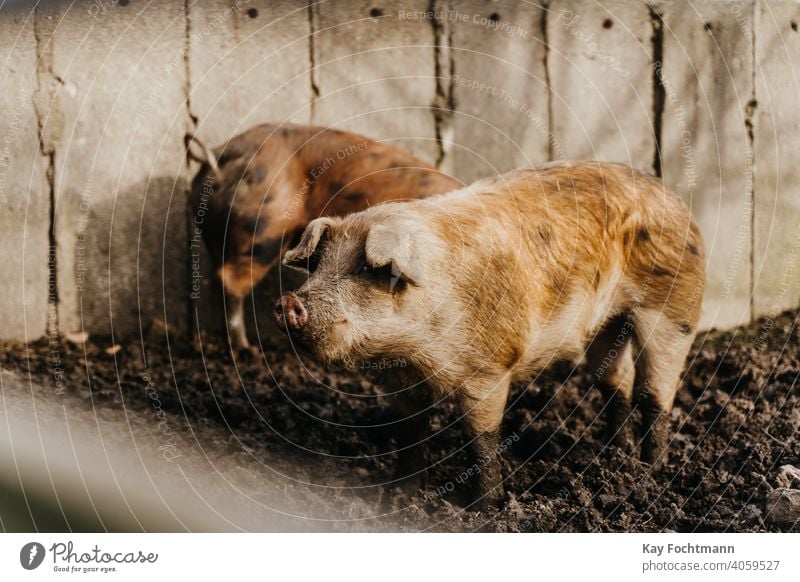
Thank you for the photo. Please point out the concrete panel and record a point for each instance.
(375, 71)
(249, 63)
(499, 87)
(111, 86)
(600, 65)
(707, 77)
(24, 192)
(270, 51)
(118, 77)
(776, 221)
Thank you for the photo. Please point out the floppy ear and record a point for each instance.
(389, 246)
(298, 256)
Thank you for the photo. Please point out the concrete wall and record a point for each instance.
(97, 95)
(24, 193)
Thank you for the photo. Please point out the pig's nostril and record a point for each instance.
(297, 315)
(289, 312)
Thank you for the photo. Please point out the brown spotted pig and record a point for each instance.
(487, 285)
(254, 195)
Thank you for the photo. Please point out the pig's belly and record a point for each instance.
(542, 359)
(563, 337)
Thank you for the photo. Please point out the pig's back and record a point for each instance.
(560, 243)
(374, 173)
(577, 216)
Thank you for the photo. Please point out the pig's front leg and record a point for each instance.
(483, 410)
(488, 488)
(236, 326)
(412, 427)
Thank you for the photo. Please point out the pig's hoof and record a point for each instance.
(654, 458)
(247, 353)
(655, 448)
(621, 437)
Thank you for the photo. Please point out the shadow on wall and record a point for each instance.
(131, 267)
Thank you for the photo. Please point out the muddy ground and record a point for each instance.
(329, 435)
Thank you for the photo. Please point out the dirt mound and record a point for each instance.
(329, 434)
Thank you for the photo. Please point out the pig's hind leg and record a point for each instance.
(662, 349)
(610, 359)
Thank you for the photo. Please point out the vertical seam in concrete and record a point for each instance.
(44, 91)
(187, 92)
(187, 48)
(233, 6)
(659, 93)
(312, 57)
(548, 85)
(52, 258)
(444, 100)
(749, 121)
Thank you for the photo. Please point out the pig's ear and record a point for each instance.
(199, 152)
(395, 247)
(299, 255)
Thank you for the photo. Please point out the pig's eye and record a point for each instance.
(381, 276)
(379, 272)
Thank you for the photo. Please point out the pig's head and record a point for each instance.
(366, 288)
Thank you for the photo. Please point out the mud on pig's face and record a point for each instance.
(363, 291)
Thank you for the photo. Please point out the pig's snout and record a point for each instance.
(289, 312)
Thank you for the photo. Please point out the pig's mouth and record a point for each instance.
(329, 341)
(332, 345)
(325, 345)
